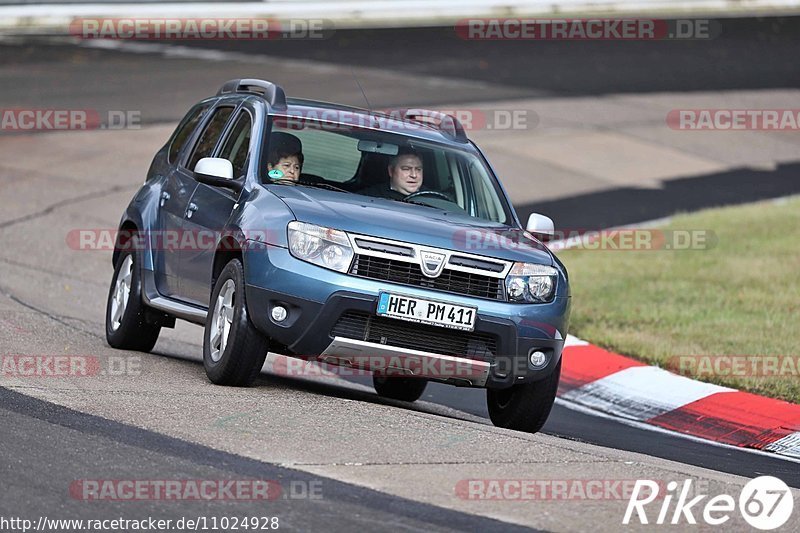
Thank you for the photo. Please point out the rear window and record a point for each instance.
(237, 145)
(208, 139)
(184, 131)
(335, 157)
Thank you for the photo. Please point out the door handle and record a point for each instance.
(191, 209)
(164, 198)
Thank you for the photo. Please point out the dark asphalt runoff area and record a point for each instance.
(748, 53)
(43, 433)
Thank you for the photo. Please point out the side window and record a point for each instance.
(237, 144)
(450, 168)
(184, 131)
(488, 204)
(208, 139)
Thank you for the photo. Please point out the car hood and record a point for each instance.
(411, 223)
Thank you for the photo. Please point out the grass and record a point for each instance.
(739, 297)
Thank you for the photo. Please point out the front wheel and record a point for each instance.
(126, 323)
(403, 389)
(233, 350)
(524, 407)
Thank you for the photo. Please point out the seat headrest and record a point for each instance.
(284, 142)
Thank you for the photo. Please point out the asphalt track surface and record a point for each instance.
(34, 450)
(746, 53)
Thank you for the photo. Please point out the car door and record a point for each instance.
(212, 207)
(176, 190)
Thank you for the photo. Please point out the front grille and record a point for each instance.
(391, 332)
(385, 248)
(402, 272)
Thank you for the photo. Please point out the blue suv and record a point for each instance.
(377, 241)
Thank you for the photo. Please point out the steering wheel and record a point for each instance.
(429, 193)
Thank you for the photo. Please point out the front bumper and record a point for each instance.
(390, 360)
(320, 303)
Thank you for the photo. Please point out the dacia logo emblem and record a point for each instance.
(432, 263)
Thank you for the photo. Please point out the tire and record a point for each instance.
(236, 356)
(403, 389)
(126, 323)
(524, 407)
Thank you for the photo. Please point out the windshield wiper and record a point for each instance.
(283, 181)
(420, 203)
(327, 186)
(287, 181)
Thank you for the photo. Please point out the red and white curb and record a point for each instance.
(599, 382)
(615, 385)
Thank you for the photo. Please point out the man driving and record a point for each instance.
(405, 176)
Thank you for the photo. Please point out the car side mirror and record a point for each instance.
(541, 226)
(217, 172)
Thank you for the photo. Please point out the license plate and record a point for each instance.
(425, 311)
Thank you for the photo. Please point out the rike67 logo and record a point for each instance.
(765, 503)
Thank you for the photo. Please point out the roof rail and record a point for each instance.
(447, 124)
(272, 92)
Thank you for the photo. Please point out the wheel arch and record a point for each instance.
(229, 247)
(122, 240)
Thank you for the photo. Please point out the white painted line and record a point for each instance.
(572, 340)
(583, 240)
(641, 392)
(648, 427)
(387, 13)
(788, 445)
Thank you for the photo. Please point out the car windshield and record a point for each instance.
(383, 164)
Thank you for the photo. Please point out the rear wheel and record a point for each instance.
(524, 407)
(126, 321)
(404, 389)
(233, 350)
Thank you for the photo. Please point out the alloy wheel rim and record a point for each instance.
(222, 320)
(122, 292)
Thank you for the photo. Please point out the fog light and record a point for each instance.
(538, 359)
(279, 313)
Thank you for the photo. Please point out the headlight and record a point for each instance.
(527, 282)
(329, 248)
